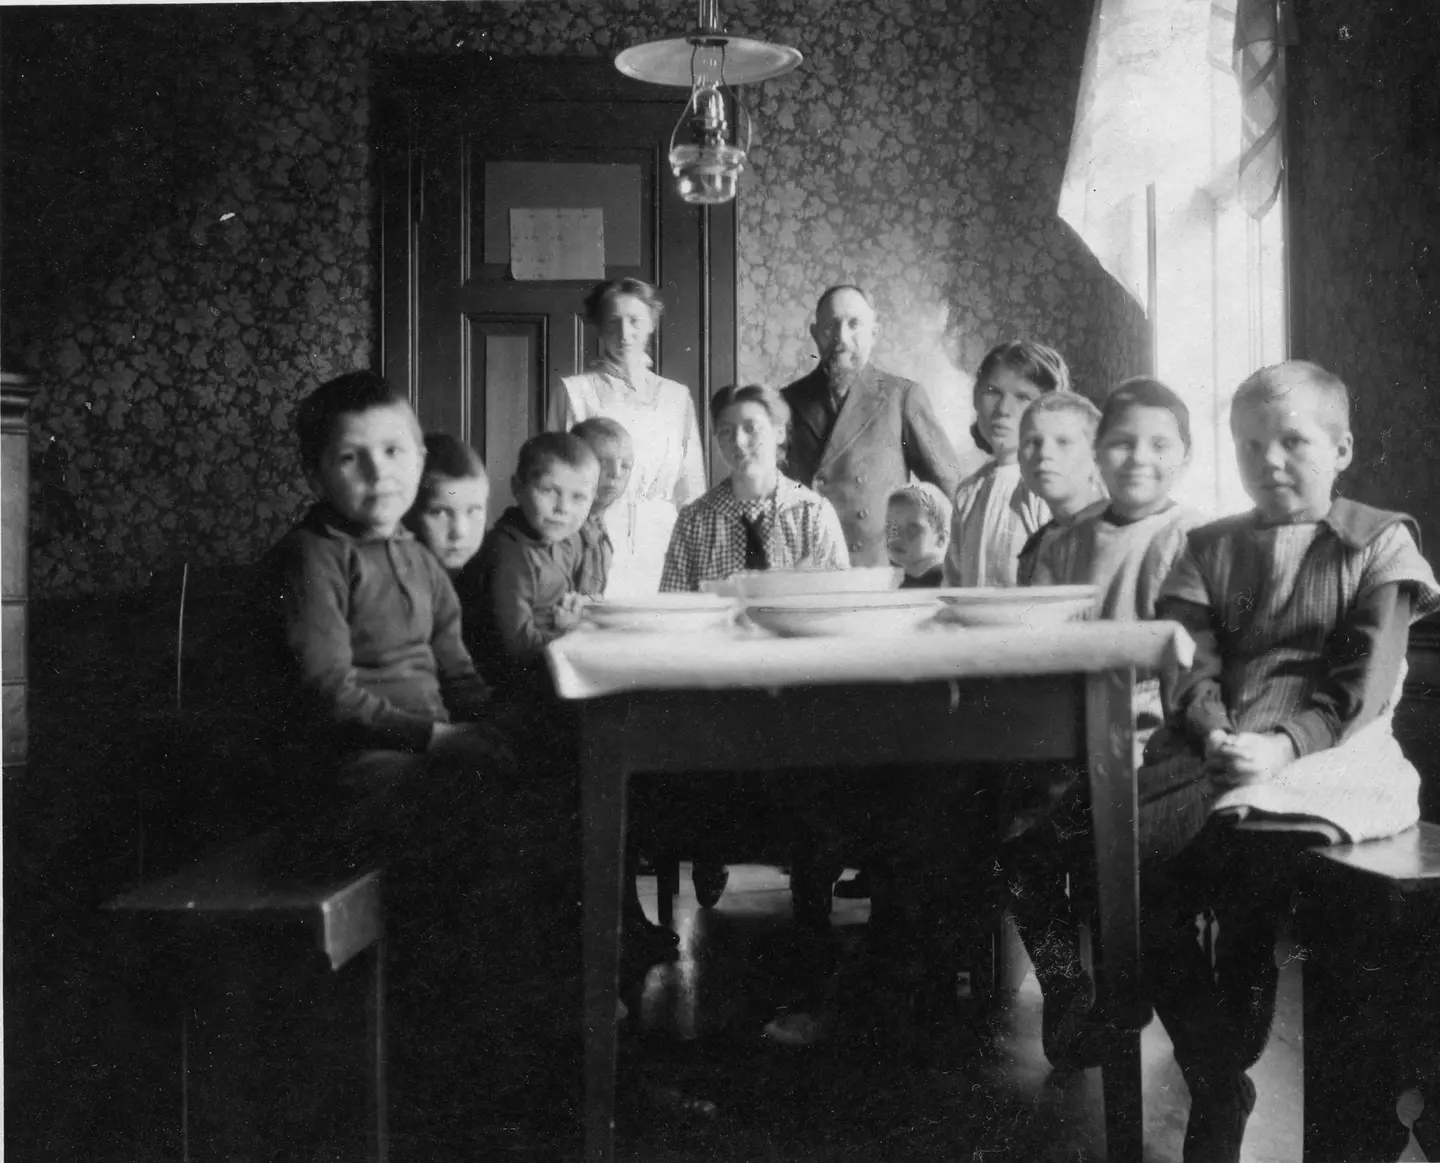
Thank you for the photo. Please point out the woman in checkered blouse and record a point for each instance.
(757, 518)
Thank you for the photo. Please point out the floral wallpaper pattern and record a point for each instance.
(1367, 221)
(917, 151)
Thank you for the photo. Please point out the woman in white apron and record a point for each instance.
(659, 414)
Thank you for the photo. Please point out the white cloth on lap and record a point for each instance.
(1365, 786)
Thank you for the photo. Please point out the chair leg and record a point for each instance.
(375, 1036)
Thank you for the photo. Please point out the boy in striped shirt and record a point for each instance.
(1300, 611)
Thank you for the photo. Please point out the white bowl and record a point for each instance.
(872, 615)
(772, 583)
(1032, 606)
(662, 613)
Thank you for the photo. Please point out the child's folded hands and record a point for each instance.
(568, 611)
(1234, 759)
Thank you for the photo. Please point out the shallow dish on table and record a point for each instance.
(868, 615)
(1032, 606)
(775, 583)
(661, 613)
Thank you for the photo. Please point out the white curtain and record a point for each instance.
(1153, 111)
(1185, 96)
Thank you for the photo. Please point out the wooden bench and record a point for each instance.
(1371, 937)
(252, 888)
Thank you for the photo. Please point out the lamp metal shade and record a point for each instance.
(669, 62)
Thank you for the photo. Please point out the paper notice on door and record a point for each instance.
(557, 244)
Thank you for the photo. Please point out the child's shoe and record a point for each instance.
(1220, 1107)
(857, 888)
(798, 1028)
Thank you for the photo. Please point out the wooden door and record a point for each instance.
(463, 143)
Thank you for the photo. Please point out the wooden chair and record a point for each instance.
(1370, 931)
(213, 773)
(248, 897)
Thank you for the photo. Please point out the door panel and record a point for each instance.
(508, 379)
(477, 351)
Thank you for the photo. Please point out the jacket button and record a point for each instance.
(863, 514)
(854, 547)
(859, 480)
(819, 481)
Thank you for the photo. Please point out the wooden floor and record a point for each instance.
(100, 1078)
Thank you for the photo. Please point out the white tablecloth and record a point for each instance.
(590, 663)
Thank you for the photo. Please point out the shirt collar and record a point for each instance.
(1357, 525)
(333, 523)
(724, 500)
(514, 523)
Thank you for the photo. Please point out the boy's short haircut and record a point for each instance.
(1278, 380)
(931, 501)
(540, 452)
(1069, 403)
(344, 395)
(1143, 392)
(451, 459)
(598, 430)
(447, 459)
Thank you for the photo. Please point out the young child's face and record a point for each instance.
(452, 519)
(557, 499)
(911, 538)
(370, 469)
(1057, 456)
(1290, 452)
(617, 459)
(1141, 456)
(1000, 400)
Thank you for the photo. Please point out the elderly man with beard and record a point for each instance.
(858, 432)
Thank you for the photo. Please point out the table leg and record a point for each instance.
(602, 805)
(1110, 732)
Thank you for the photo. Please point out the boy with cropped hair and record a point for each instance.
(1300, 611)
(1125, 548)
(371, 621)
(519, 591)
(1057, 464)
(917, 532)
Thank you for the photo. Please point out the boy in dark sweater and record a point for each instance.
(371, 620)
(372, 633)
(372, 624)
(519, 591)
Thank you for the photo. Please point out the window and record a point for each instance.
(1153, 187)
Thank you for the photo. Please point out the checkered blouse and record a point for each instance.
(708, 542)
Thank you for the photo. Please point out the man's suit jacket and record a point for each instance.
(885, 431)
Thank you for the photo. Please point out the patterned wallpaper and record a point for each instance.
(1367, 222)
(214, 256)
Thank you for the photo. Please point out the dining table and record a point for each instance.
(732, 698)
